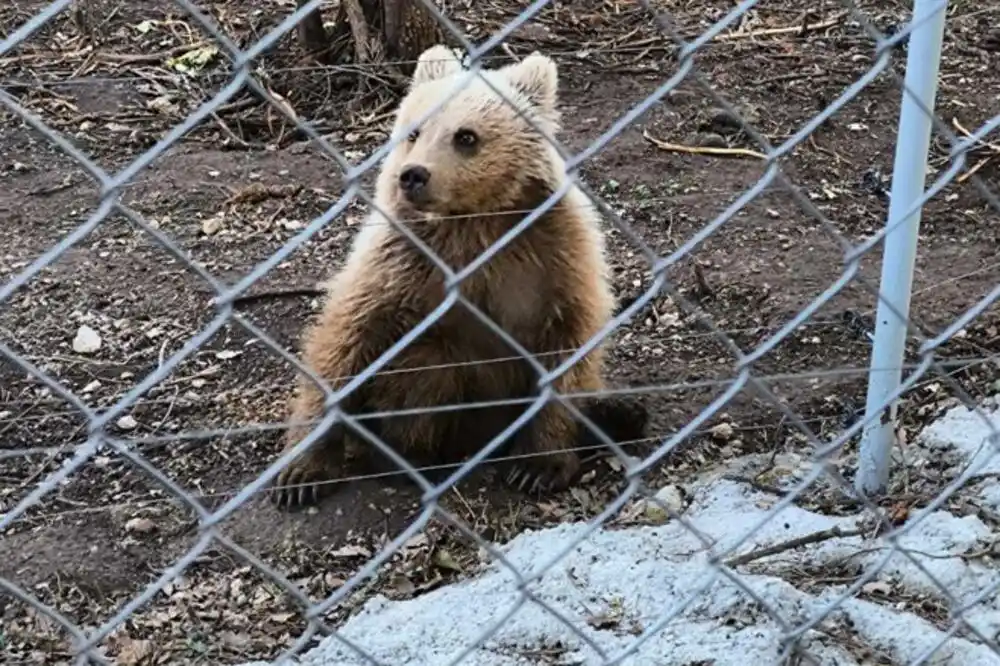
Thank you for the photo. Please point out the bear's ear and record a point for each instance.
(435, 63)
(537, 78)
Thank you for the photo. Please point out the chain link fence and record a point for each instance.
(722, 563)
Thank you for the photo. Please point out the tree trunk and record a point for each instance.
(312, 35)
(390, 33)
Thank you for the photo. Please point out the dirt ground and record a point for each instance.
(243, 183)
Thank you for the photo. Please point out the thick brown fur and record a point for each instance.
(549, 288)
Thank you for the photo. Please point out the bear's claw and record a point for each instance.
(537, 478)
(298, 485)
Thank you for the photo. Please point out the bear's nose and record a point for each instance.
(413, 179)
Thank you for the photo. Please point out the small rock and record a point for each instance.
(140, 525)
(668, 497)
(654, 513)
(212, 225)
(991, 42)
(163, 105)
(672, 497)
(711, 140)
(679, 97)
(723, 432)
(87, 341)
(92, 386)
(534, 32)
(724, 121)
(236, 641)
(127, 423)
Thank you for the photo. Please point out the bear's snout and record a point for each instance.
(413, 181)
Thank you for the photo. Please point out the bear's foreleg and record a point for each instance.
(546, 443)
(346, 340)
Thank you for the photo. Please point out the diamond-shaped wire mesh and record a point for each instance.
(724, 559)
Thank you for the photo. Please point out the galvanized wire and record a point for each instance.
(745, 376)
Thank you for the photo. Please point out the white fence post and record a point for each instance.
(908, 180)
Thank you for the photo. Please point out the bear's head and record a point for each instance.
(478, 153)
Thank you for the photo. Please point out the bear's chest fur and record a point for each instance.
(514, 287)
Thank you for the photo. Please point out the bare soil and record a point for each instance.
(243, 183)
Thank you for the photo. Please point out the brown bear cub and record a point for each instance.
(471, 171)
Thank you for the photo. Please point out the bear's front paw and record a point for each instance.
(301, 483)
(544, 474)
(622, 420)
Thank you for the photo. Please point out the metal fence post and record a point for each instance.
(908, 180)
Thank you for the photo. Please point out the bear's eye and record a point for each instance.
(466, 139)
(414, 135)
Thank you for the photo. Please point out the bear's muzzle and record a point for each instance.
(413, 181)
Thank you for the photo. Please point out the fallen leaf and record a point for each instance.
(444, 559)
(194, 60)
(133, 652)
(580, 495)
(603, 621)
(234, 640)
(416, 541)
(402, 585)
(351, 551)
(877, 587)
(898, 513)
(551, 509)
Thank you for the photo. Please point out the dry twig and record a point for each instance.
(981, 163)
(967, 134)
(791, 544)
(769, 32)
(700, 150)
(286, 292)
(150, 58)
